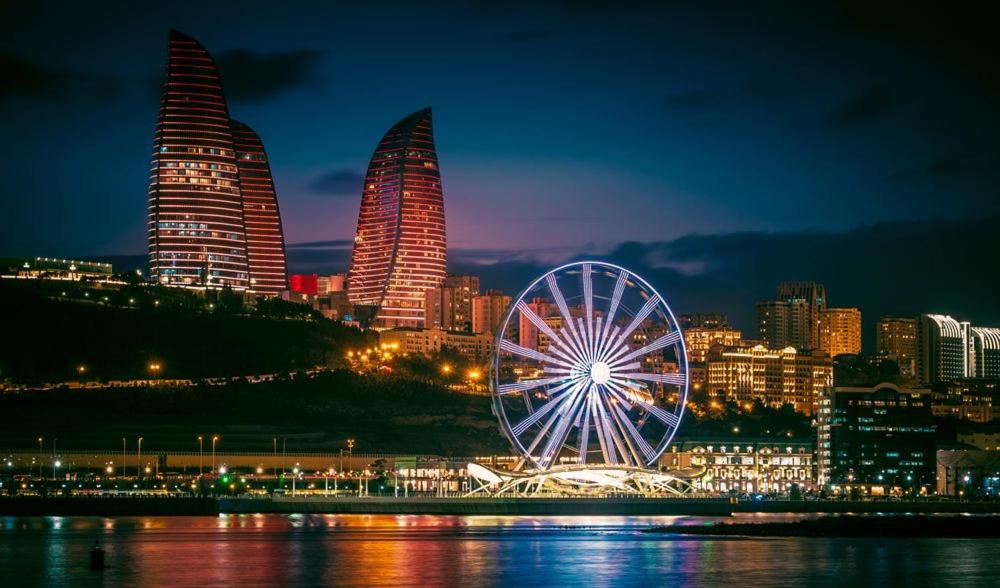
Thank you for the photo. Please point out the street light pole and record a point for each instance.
(39, 458)
(214, 439)
(124, 463)
(138, 460)
(201, 455)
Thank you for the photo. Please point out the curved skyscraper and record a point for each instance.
(399, 248)
(265, 241)
(200, 220)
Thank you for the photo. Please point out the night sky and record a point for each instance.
(716, 147)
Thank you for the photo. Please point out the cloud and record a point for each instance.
(863, 108)
(26, 78)
(941, 168)
(250, 76)
(338, 183)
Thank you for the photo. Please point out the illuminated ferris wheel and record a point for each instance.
(589, 370)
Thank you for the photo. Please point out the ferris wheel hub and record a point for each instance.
(600, 372)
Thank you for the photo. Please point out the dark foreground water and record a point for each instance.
(426, 551)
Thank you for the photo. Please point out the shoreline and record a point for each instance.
(852, 526)
(717, 507)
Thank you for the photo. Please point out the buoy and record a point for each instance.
(96, 557)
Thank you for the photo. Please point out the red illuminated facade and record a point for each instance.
(304, 283)
(200, 218)
(400, 247)
(264, 237)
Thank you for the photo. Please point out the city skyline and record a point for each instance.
(532, 166)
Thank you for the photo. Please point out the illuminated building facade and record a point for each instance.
(198, 212)
(464, 289)
(942, 348)
(428, 341)
(879, 438)
(840, 331)
(984, 352)
(776, 377)
(793, 318)
(304, 283)
(745, 465)
(784, 323)
(698, 340)
(400, 246)
(196, 227)
(488, 311)
(439, 308)
(264, 236)
(896, 340)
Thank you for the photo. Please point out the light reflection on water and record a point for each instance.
(388, 550)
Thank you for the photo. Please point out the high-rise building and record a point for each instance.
(488, 311)
(840, 331)
(784, 323)
(793, 316)
(400, 246)
(776, 377)
(197, 209)
(439, 308)
(984, 353)
(698, 340)
(896, 339)
(264, 236)
(942, 348)
(465, 288)
(879, 437)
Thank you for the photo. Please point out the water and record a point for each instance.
(427, 551)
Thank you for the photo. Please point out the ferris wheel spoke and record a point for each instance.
(569, 353)
(636, 439)
(543, 410)
(524, 385)
(557, 295)
(613, 428)
(620, 393)
(588, 299)
(558, 438)
(606, 344)
(585, 429)
(616, 298)
(588, 347)
(607, 448)
(672, 378)
(644, 312)
(516, 349)
(664, 341)
(668, 418)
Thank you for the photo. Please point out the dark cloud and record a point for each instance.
(942, 168)
(894, 268)
(338, 183)
(22, 77)
(250, 76)
(527, 36)
(863, 108)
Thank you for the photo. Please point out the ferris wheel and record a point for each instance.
(589, 368)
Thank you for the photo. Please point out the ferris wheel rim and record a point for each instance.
(683, 389)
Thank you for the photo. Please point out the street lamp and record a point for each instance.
(295, 472)
(215, 438)
(201, 453)
(39, 458)
(155, 367)
(138, 460)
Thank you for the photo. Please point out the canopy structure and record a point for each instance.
(581, 480)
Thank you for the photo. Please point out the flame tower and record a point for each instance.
(400, 246)
(264, 237)
(213, 219)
